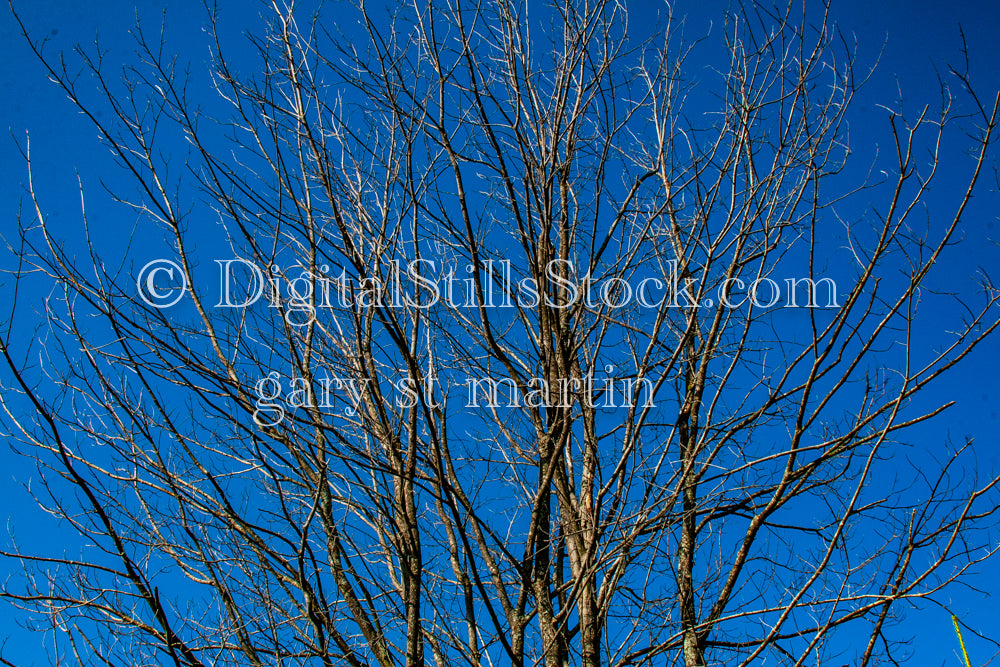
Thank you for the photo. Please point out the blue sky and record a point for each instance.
(916, 39)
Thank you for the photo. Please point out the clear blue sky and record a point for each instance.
(917, 36)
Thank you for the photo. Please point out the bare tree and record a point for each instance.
(517, 388)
